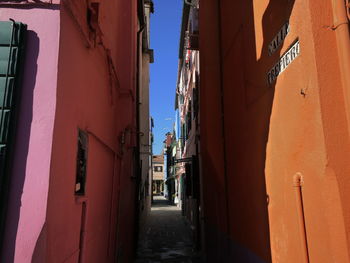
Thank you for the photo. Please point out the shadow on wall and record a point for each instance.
(248, 87)
(251, 223)
(274, 31)
(21, 145)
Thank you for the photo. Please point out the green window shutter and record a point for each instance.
(11, 49)
(12, 36)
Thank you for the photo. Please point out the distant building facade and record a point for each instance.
(169, 162)
(187, 104)
(158, 174)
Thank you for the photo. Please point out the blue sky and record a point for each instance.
(165, 37)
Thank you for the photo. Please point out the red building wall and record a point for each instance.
(96, 94)
(256, 136)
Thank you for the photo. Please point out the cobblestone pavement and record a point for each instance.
(165, 236)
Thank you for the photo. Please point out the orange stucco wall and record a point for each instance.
(266, 133)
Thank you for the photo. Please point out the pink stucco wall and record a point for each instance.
(30, 179)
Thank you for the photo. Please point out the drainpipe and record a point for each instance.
(298, 183)
(138, 167)
(341, 28)
(223, 121)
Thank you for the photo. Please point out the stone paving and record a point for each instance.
(165, 236)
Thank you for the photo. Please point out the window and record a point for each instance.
(81, 163)
(158, 168)
(189, 117)
(196, 97)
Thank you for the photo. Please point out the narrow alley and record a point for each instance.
(175, 131)
(165, 237)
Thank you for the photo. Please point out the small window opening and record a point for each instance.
(81, 164)
(158, 169)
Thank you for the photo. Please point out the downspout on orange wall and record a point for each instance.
(298, 183)
(341, 28)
